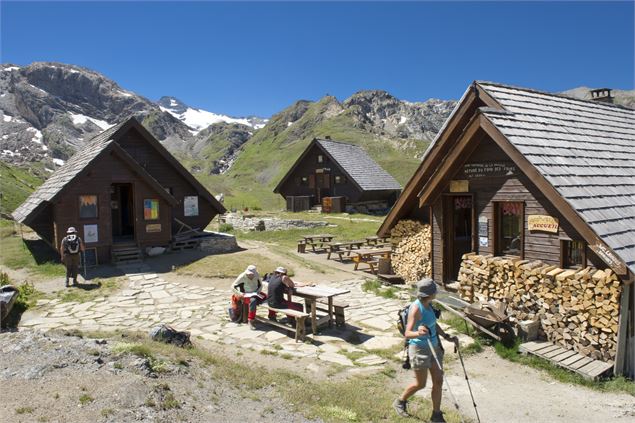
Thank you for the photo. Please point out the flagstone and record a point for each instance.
(335, 358)
(371, 360)
(157, 294)
(377, 323)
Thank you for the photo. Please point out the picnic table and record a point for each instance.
(341, 248)
(318, 241)
(369, 256)
(376, 240)
(311, 295)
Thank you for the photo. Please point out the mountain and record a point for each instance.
(198, 119)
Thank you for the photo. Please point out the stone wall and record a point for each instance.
(253, 223)
(218, 242)
(577, 309)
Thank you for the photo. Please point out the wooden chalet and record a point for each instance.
(536, 176)
(122, 189)
(329, 168)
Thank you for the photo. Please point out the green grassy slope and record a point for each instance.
(268, 155)
(16, 184)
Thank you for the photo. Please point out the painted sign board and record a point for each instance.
(609, 258)
(91, 233)
(537, 222)
(190, 206)
(484, 170)
(460, 186)
(153, 227)
(483, 226)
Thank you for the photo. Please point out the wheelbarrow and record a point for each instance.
(485, 317)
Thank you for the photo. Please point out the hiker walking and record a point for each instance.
(247, 290)
(70, 247)
(422, 332)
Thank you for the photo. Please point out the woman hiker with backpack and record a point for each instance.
(70, 247)
(421, 331)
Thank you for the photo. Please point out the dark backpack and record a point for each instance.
(72, 245)
(402, 317)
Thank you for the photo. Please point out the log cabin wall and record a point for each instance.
(294, 186)
(490, 189)
(163, 171)
(97, 180)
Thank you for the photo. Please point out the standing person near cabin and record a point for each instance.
(422, 327)
(278, 284)
(248, 282)
(70, 247)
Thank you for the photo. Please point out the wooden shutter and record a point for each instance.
(311, 181)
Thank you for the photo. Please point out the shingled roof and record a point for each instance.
(585, 149)
(62, 176)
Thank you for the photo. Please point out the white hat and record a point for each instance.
(281, 270)
(252, 267)
(71, 230)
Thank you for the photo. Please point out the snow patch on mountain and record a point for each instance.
(200, 119)
(79, 119)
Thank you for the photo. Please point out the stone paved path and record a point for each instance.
(147, 299)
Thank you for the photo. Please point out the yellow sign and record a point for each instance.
(154, 227)
(542, 223)
(459, 186)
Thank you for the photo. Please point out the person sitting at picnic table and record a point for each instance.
(278, 284)
(248, 282)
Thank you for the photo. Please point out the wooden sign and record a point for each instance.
(460, 186)
(536, 222)
(609, 258)
(483, 170)
(153, 227)
(483, 226)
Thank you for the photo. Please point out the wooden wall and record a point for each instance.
(163, 171)
(517, 187)
(96, 180)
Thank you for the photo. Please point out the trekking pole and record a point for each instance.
(445, 379)
(468, 383)
(84, 260)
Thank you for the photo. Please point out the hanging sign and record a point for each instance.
(153, 227)
(482, 170)
(190, 206)
(91, 233)
(536, 222)
(459, 186)
(483, 226)
(609, 258)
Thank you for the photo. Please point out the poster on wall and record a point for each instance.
(91, 233)
(87, 206)
(190, 206)
(483, 241)
(150, 209)
(536, 222)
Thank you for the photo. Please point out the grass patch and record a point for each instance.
(618, 384)
(24, 410)
(376, 287)
(107, 412)
(27, 297)
(35, 256)
(98, 288)
(134, 348)
(228, 265)
(85, 399)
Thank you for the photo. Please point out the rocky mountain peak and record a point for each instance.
(172, 103)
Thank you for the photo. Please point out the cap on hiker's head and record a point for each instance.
(71, 230)
(252, 267)
(426, 287)
(250, 271)
(281, 270)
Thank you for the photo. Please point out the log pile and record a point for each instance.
(411, 241)
(577, 309)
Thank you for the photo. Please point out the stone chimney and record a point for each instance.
(601, 94)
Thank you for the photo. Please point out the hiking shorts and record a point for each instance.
(421, 357)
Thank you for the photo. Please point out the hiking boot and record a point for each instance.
(437, 417)
(75, 282)
(252, 325)
(400, 407)
(66, 284)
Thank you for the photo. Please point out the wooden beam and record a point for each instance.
(550, 192)
(620, 353)
(465, 145)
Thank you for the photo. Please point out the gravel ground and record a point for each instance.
(60, 378)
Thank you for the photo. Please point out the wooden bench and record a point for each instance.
(299, 316)
(301, 246)
(371, 263)
(338, 310)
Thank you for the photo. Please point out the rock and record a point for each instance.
(165, 333)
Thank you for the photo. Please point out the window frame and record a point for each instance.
(497, 229)
(320, 158)
(565, 246)
(79, 206)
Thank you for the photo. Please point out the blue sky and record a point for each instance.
(257, 58)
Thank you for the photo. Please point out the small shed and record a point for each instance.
(545, 183)
(333, 169)
(122, 189)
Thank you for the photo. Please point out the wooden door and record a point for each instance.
(458, 233)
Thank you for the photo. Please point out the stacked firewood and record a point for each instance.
(411, 241)
(577, 309)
